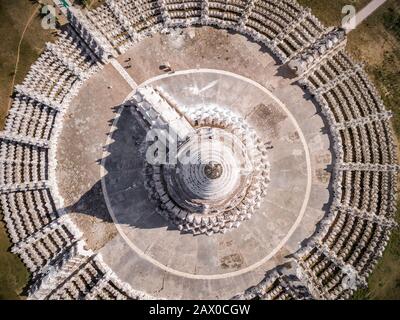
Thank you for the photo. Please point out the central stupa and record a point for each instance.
(217, 171)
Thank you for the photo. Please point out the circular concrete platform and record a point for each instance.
(99, 180)
(257, 240)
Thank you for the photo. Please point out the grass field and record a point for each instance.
(13, 275)
(376, 42)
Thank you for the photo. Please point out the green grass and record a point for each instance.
(376, 42)
(13, 275)
(386, 72)
(14, 15)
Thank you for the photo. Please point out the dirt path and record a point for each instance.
(363, 14)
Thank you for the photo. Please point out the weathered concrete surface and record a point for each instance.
(80, 149)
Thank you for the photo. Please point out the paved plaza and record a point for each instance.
(108, 162)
